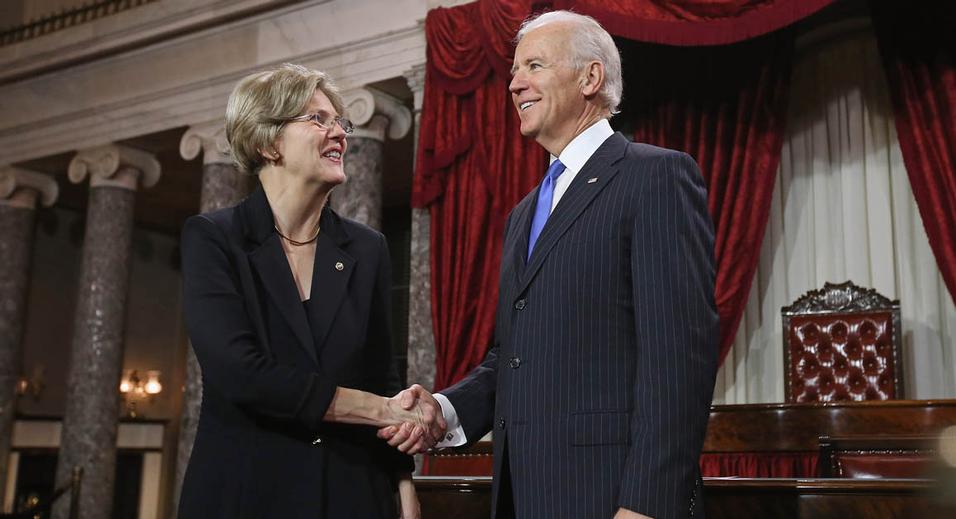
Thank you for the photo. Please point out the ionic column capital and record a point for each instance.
(364, 104)
(210, 139)
(104, 162)
(23, 188)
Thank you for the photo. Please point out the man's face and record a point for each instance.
(544, 87)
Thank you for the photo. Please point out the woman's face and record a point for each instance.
(311, 152)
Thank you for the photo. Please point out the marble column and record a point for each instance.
(223, 185)
(376, 115)
(20, 191)
(92, 411)
(421, 339)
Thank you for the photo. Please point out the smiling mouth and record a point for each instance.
(333, 154)
(525, 105)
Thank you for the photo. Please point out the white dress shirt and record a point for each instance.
(574, 156)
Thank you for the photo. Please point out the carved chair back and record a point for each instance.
(842, 343)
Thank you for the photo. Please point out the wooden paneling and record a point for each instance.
(820, 498)
(798, 427)
(470, 498)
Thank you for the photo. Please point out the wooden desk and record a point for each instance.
(470, 498)
(770, 440)
(782, 440)
(798, 427)
(820, 498)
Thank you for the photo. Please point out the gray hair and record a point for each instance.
(589, 42)
(262, 102)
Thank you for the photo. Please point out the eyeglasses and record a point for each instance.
(326, 121)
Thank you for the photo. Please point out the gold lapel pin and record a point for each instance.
(339, 266)
(592, 180)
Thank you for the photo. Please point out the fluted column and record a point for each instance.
(223, 185)
(92, 411)
(376, 115)
(20, 191)
(421, 339)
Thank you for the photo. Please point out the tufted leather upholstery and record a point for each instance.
(842, 344)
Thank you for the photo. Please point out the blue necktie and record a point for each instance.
(543, 208)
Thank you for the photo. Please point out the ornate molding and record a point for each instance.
(103, 162)
(210, 139)
(373, 129)
(156, 98)
(14, 180)
(840, 297)
(66, 19)
(363, 104)
(415, 77)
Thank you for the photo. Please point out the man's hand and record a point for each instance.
(624, 513)
(419, 431)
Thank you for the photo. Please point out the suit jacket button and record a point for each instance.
(521, 304)
(501, 423)
(317, 440)
(515, 362)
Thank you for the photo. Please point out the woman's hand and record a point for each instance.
(409, 508)
(418, 419)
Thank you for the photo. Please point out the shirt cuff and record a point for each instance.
(455, 433)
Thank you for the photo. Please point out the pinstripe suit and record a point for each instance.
(600, 379)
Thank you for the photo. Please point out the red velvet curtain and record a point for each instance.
(917, 41)
(474, 166)
(726, 107)
(694, 22)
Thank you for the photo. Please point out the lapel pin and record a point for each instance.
(339, 266)
(592, 180)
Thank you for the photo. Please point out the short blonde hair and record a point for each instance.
(261, 103)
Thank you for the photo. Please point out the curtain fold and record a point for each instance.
(733, 128)
(473, 167)
(842, 209)
(918, 45)
(694, 23)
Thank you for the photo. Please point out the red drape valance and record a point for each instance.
(694, 22)
(759, 464)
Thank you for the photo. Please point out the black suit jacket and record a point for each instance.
(262, 449)
(601, 376)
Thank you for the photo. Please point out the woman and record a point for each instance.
(287, 308)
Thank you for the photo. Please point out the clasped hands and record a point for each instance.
(416, 421)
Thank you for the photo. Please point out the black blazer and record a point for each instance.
(262, 449)
(599, 383)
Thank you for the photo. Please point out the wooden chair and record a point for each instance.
(842, 343)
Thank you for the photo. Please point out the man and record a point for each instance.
(599, 382)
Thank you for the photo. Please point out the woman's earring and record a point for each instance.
(273, 157)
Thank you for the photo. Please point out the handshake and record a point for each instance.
(415, 421)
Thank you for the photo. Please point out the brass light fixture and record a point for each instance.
(34, 384)
(135, 389)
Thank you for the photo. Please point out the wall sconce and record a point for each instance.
(34, 384)
(134, 389)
